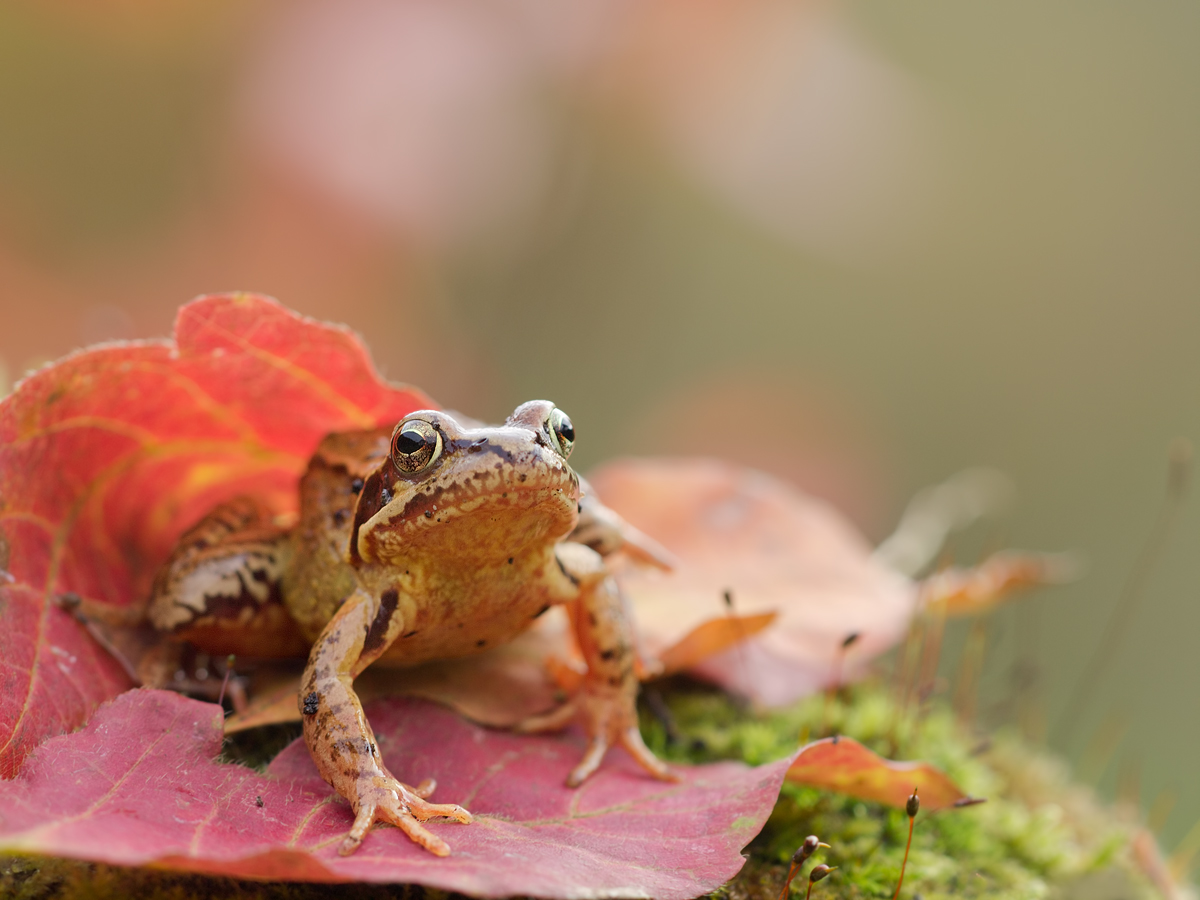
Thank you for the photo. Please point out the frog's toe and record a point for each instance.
(416, 832)
(411, 810)
(590, 762)
(555, 720)
(362, 824)
(631, 740)
(422, 811)
(425, 789)
(406, 808)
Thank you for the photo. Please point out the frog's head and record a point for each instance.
(450, 489)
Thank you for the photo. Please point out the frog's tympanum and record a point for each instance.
(436, 541)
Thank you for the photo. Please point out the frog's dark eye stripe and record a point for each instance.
(415, 446)
(562, 431)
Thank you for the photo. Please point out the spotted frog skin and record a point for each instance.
(435, 541)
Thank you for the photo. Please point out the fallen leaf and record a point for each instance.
(157, 797)
(774, 549)
(710, 638)
(501, 686)
(109, 454)
(956, 591)
(272, 699)
(845, 766)
(53, 673)
(498, 687)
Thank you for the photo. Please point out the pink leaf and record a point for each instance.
(774, 549)
(139, 786)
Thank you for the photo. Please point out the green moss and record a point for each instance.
(1037, 836)
(258, 746)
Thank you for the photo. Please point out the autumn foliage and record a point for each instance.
(107, 456)
(156, 796)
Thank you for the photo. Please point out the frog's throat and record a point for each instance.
(486, 527)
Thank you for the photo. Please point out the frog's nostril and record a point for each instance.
(476, 446)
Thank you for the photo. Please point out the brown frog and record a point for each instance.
(436, 541)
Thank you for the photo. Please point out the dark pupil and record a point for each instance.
(410, 442)
(566, 429)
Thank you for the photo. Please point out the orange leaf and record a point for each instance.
(710, 638)
(966, 592)
(845, 766)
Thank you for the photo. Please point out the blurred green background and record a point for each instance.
(862, 245)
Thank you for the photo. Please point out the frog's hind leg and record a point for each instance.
(220, 588)
(602, 530)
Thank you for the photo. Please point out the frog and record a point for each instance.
(435, 539)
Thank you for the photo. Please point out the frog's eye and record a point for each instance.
(562, 431)
(415, 446)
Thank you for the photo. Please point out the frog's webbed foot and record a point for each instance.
(606, 704)
(382, 798)
(610, 719)
(608, 723)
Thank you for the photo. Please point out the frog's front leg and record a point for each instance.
(340, 738)
(607, 702)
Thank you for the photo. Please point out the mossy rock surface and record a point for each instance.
(1038, 835)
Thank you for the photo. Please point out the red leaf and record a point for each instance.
(847, 767)
(156, 796)
(52, 674)
(775, 549)
(108, 455)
